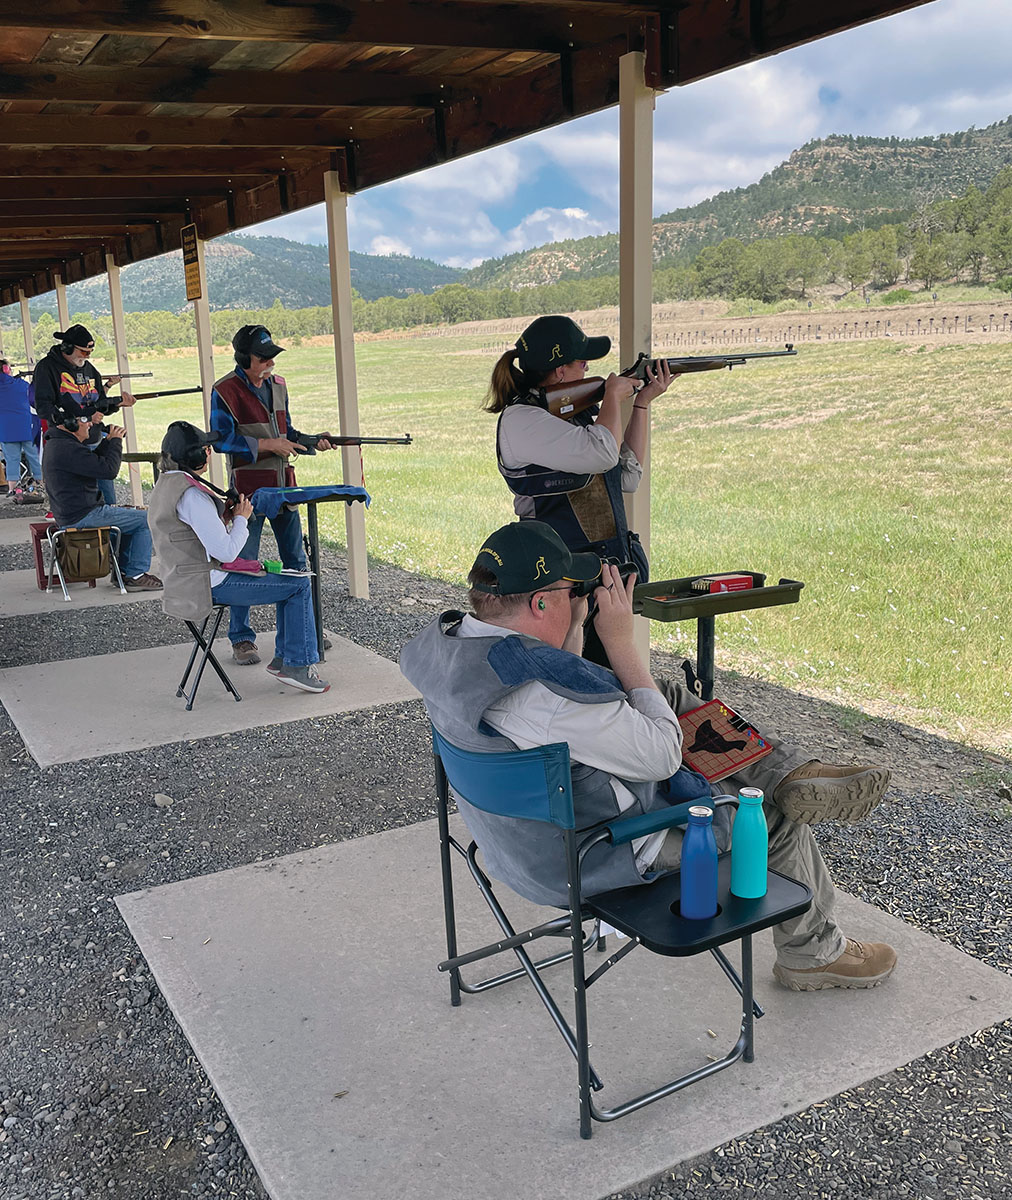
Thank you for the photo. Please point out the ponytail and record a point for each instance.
(507, 381)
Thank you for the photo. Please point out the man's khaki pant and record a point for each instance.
(814, 938)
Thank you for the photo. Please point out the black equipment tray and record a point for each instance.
(686, 604)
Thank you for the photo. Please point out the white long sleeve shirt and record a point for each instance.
(638, 738)
(196, 509)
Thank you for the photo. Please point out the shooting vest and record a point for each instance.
(587, 511)
(253, 420)
(459, 678)
(182, 559)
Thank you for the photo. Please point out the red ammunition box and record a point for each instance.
(722, 583)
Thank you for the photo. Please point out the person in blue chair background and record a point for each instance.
(509, 675)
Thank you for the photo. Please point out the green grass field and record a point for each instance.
(875, 472)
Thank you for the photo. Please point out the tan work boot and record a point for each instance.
(861, 965)
(245, 653)
(822, 792)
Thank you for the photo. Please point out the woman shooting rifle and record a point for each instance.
(572, 473)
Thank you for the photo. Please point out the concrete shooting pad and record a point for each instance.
(20, 595)
(308, 988)
(52, 704)
(16, 531)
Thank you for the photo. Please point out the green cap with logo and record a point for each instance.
(527, 556)
(552, 342)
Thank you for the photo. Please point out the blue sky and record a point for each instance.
(936, 69)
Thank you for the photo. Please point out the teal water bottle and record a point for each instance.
(698, 899)
(750, 845)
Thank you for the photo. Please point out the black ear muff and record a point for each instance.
(67, 347)
(242, 360)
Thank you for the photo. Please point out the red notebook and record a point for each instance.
(717, 741)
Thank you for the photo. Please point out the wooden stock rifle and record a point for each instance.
(567, 399)
(306, 443)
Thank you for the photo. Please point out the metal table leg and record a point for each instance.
(705, 639)
(314, 566)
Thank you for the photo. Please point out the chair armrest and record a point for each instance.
(629, 828)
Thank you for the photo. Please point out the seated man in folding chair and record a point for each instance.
(73, 473)
(624, 737)
(188, 523)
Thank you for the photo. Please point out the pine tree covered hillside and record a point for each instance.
(250, 272)
(829, 188)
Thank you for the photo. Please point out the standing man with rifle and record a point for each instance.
(249, 410)
(66, 385)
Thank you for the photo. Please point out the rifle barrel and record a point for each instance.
(173, 392)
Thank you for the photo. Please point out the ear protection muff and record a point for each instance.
(194, 459)
(67, 347)
(242, 360)
(541, 605)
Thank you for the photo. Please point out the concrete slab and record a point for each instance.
(14, 531)
(308, 989)
(52, 704)
(20, 595)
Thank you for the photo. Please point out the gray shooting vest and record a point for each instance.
(182, 559)
(461, 677)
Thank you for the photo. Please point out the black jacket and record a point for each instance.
(70, 469)
(61, 388)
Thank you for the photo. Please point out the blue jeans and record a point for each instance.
(135, 538)
(288, 534)
(295, 641)
(106, 487)
(12, 457)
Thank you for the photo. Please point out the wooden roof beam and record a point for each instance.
(408, 23)
(72, 162)
(170, 189)
(185, 85)
(70, 129)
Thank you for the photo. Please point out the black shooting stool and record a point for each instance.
(205, 643)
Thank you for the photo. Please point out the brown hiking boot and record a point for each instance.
(861, 965)
(245, 654)
(822, 792)
(142, 583)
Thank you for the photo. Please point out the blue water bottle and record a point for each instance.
(699, 866)
(750, 844)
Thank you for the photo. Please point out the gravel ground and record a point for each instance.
(99, 1091)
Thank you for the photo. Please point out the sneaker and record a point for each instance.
(142, 583)
(304, 678)
(821, 792)
(276, 666)
(245, 654)
(861, 965)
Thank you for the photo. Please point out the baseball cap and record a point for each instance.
(181, 438)
(553, 341)
(76, 335)
(527, 556)
(256, 339)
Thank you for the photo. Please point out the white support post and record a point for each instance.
(636, 122)
(123, 368)
(347, 382)
(62, 307)
(26, 329)
(205, 359)
(1, 341)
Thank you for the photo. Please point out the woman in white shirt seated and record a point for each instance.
(196, 540)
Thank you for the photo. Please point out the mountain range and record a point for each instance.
(830, 186)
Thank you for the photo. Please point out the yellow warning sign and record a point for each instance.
(191, 263)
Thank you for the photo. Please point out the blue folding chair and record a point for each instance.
(535, 785)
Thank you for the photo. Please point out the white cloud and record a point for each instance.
(388, 245)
